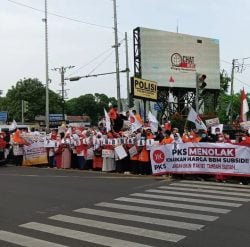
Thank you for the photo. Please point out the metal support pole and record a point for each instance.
(127, 69)
(197, 95)
(145, 110)
(117, 58)
(232, 90)
(46, 70)
(22, 111)
(62, 70)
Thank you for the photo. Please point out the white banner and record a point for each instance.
(35, 154)
(107, 153)
(201, 158)
(121, 152)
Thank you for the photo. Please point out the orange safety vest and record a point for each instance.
(166, 140)
(144, 155)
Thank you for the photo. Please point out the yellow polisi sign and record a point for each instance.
(144, 89)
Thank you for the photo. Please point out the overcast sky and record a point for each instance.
(88, 47)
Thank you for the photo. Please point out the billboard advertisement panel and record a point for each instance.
(174, 59)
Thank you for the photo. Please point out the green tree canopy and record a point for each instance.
(32, 91)
(89, 104)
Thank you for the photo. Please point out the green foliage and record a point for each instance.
(32, 91)
(91, 105)
(224, 81)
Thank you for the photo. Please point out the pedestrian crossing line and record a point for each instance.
(211, 187)
(201, 190)
(141, 219)
(167, 191)
(184, 199)
(158, 211)
(175, 205)
(164, 236)
(216, 183)
(25, 241)
(82, 236)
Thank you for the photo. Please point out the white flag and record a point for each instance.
(107, 120)
(152, 122)
(135, 124)
(170, 97)
(13, 125)
(195, 118)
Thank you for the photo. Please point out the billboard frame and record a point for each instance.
(179, 92)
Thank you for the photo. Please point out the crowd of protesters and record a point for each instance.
(83, 148)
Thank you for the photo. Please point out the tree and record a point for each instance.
(32, 91)
(224, 82)
(91, 105)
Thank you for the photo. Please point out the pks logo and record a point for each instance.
(158, 156)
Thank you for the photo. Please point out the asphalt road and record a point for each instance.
(42, 207)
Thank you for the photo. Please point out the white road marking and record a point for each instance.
(83, 236)
(165, 236)
(211, 187)
(158, 211)
(169, 192)
(142, 219)
(174, 205)
(25, 241)
(216, 184)
(201, 190)
(184, 199)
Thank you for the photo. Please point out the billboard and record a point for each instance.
(3, 116)
(143, 89)
(174, 59)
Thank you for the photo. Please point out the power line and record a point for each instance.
(101, 62)
(242, 82)
(224, 61)
(91, 61)
(95, 58)
(60, 16)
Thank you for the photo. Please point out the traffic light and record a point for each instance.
(25, 106)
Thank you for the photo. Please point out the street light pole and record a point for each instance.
(46, 70)
(232, 90)
(117, 58)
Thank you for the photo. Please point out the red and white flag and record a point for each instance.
(153, 122)
(107, 120)
(195, 118)
(135, 124)
(244, 106)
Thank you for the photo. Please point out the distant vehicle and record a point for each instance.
(9, 128)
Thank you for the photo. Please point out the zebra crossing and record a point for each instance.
(154, 217)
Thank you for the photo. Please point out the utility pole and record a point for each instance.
(22, 111)
(232, 90)
(116, 46)
(46, 70)
(62, 71)
(127, 68)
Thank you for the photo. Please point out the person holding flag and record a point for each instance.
(135, 124)
(153, 122)
(107, 121)
(195, 118)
